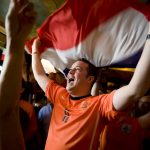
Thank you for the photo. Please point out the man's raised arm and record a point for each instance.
(139, 83)
(37, 67)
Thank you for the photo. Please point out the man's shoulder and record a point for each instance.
(104, 95)
(54, 85)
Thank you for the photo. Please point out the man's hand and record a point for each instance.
(36, 45)
(19, 20)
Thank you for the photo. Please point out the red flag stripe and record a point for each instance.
(76, 19)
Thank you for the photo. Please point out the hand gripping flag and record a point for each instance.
(105, 32)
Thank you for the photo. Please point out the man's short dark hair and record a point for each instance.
(92, 70)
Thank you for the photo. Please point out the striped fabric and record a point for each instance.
(105, 32)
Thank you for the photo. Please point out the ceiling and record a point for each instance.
(43, 8)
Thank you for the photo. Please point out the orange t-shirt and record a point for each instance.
(76, 124)
(126, 133)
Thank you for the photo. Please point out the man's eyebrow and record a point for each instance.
(75, 67)
(78, 66)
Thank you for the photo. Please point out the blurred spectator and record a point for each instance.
(28, 120)
(130, 130)
(44, 117)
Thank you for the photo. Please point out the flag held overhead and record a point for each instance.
(105, 32)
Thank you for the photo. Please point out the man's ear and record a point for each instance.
(90, 79)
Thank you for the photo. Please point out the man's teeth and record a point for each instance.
(71, 79)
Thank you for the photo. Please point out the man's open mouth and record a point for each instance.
(71, 80)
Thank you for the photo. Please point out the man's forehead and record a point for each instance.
(79, 64)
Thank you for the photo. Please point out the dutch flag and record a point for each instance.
(105, 32)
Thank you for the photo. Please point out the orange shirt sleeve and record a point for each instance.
(107, 110)
(53, 91)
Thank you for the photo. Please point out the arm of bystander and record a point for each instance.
(19, 22)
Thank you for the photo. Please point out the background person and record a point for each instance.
(19, 22)
(130, 130)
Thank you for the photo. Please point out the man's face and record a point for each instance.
(77, 77)
(144, 104)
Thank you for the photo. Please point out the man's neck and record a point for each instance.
(79, 97)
